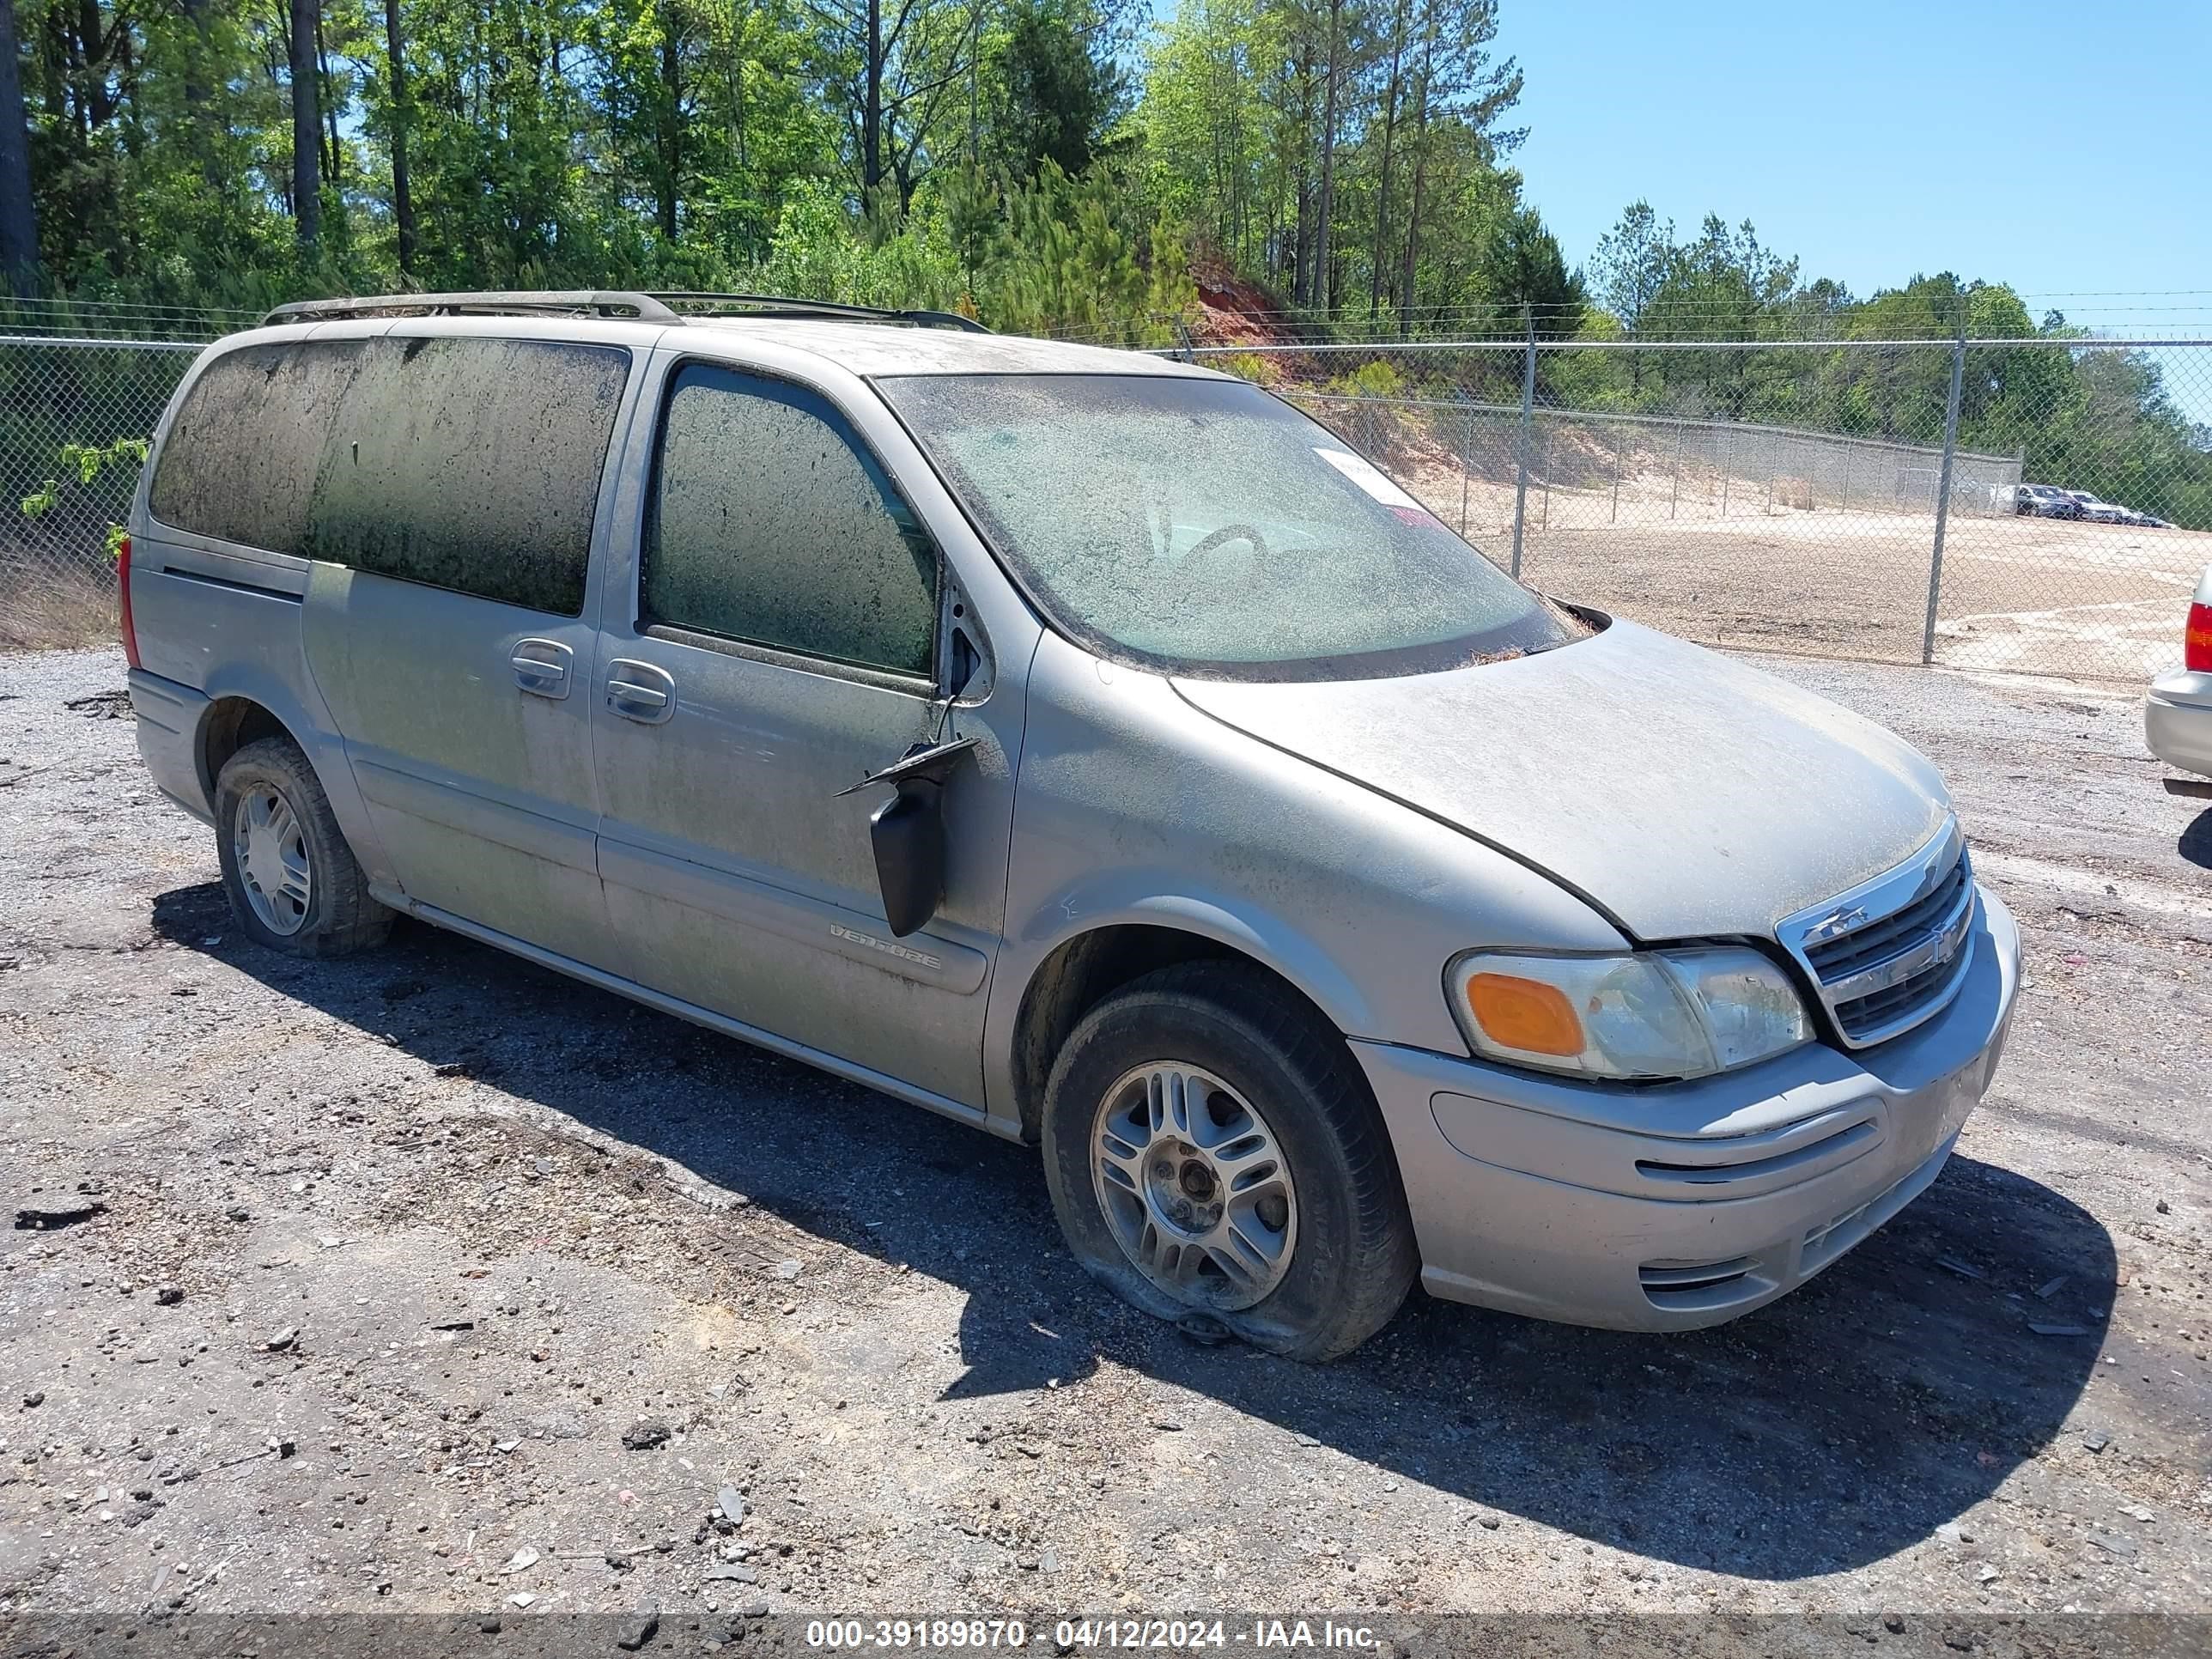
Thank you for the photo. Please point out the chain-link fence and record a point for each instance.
(1605, 463)
(2036, 506)
(2040, 506)
(71, 408)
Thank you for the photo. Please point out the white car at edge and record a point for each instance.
(2178, 713)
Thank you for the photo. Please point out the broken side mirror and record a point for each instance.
(907, 832)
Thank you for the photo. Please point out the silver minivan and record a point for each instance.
(1084, 745)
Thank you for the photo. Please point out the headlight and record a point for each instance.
(1654, 1014)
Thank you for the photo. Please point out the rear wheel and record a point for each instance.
(1212, 1153)
(292, 881)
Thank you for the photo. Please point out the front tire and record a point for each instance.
(292, 881)
(1212, 1151)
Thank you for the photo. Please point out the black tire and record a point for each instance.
(1353, 1258)
(340, 916)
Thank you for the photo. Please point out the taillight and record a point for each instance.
(2196, 640)
(123, 587)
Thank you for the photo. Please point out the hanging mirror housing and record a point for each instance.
(907, 832)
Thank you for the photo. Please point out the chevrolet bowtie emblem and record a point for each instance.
(1835, 922)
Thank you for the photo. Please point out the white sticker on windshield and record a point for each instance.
(1369, 477)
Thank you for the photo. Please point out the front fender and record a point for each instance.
(1133, 807)
(1145, 897)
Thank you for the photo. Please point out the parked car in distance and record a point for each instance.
(2100, 512)
(2045, 501)
(2178, 713)
(1084, 745)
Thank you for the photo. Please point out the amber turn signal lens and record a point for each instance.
(1524, 1014)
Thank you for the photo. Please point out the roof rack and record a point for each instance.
(776, 305)
(651, 307)
(598, 302)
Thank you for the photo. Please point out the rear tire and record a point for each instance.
(292, 881)
(1264, 1196)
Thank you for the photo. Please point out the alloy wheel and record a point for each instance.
(271, 848)
(1194, 1186)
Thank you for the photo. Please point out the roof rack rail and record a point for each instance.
(778, 304)
(598, 302)
(649, 307)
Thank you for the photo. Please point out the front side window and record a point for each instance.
(770, 523)
(1201, 526)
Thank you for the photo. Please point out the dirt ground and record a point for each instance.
(2029, 595)
(427, 1280)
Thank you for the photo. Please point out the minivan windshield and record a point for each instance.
(1205, 527)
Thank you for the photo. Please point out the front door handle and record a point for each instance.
(541, 667)
(639, 692)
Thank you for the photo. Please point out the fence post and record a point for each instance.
(1615, 518)
(1675, 497)
(1527, 406)
(1551, 465)
(1943, 487)
(1466, 446)
(1728, 466)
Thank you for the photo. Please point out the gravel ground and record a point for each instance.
(430, 1281)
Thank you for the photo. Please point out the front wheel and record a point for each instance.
(1212, 1151)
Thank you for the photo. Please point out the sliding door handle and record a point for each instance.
(541, 667)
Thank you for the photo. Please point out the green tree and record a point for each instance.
(1521, 264)
(896, 71)
(1060, 100)
(19, 223)
(304, 44)
(1457, 96)
(1630, 269)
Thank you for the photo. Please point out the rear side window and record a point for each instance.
(463, 463)
(771, 524)
(240, 459)
(472, 465)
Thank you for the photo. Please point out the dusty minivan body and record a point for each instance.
(1085, 746)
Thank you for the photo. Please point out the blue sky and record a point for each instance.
(2061, 149)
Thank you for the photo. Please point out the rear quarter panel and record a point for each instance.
(224, 619)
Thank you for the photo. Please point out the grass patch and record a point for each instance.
(48, 608)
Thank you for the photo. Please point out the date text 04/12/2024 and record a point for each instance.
(1079, 1635)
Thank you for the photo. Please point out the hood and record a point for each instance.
(1679, 791)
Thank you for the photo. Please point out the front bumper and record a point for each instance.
(2178, 720)
(1684, 1205)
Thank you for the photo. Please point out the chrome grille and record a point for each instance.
(1891, 952)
